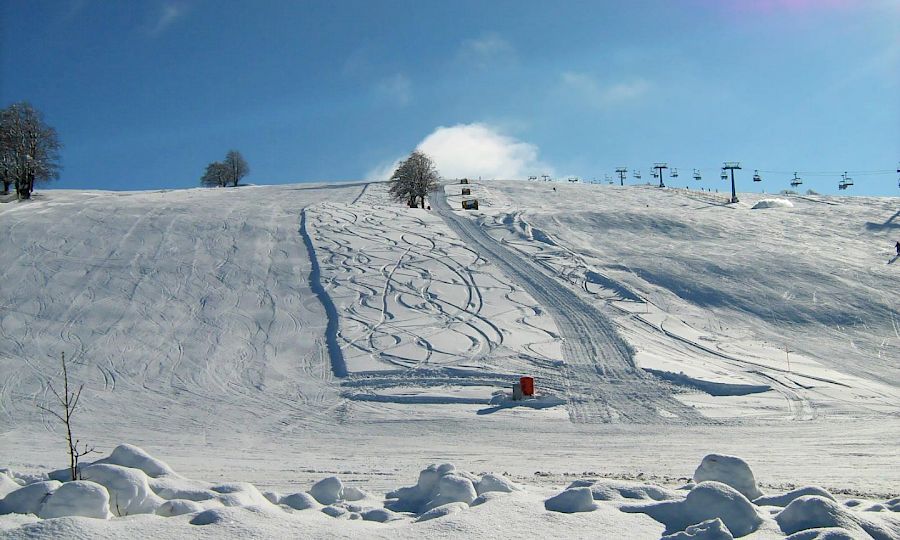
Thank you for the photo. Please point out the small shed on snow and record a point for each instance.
(470, 204)
(466, 191)
(464, 181)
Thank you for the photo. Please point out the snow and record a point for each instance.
(707, 500)
(328, 490)
(301, 501)
(129, 491)
(28, 499)
(813, 511)
(729, 470)
(786, 498)
(711, 529)
(77, 498)
(267, 338)
(575, 499)
(772, 203)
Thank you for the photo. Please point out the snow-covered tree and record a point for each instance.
(216, 175)
(236, 165)
(29, 149)
(413, 179)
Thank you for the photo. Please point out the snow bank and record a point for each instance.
(7, 485)
(440, 485)
(131, 456)
(711, 529)
(787, 498)
(812, 512)
(443, 510)
(300, 501)
(773, 203)
(708, 500)
(179, 507)
(28, 499)
(240, 494)
(328, 490)
(729, 470)
(78, 498)
(826, 533)
(129, 492)
(577, 499)
(615, 490)
(379, 515)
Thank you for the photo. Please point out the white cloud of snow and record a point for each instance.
(474, 150)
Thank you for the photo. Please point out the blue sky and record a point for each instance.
(146, 93)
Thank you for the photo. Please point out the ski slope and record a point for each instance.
(280, 334)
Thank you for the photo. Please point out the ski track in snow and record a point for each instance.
(193, 318)
(599, 379)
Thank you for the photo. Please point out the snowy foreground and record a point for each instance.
(298, 353)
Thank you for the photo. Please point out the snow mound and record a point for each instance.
(616, 490)
(300, 501)
(179, 507)
(353, 493)
(211, 517)
(176, 488)
(240, 494)
(28, 499)
(328, 490)
(708, 500)
(452, 488)
(492, 482)
(131, 456)
(711, 529)
(129, 492)
(825, 533)
(788, 498)
(773, 203)
(336, 511)
(577, 499)
(78, 498)
(379, 515)
(444, 510)
(812, 512)
(7, 485)
(730, 470)
(439, 485)
(272, 496)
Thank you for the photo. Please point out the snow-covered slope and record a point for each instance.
(280, 334)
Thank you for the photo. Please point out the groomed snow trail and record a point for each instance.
(599, 379)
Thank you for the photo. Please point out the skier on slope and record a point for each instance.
(898, 248)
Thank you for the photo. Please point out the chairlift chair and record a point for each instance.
(697, 174)
(847, 180)
(724, 175)
(674, 173)
(756, 177)
(637, 174)
(797, 181)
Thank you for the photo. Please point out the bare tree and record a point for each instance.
(216, 175)
(29, 149)
(413, 179)
(236, 165)
(68, 401)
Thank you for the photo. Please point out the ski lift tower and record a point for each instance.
(732, 165)
(546, 177)
(622, 171)
(659, 169)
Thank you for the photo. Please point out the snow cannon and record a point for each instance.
(527, 384)
(523, 389)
